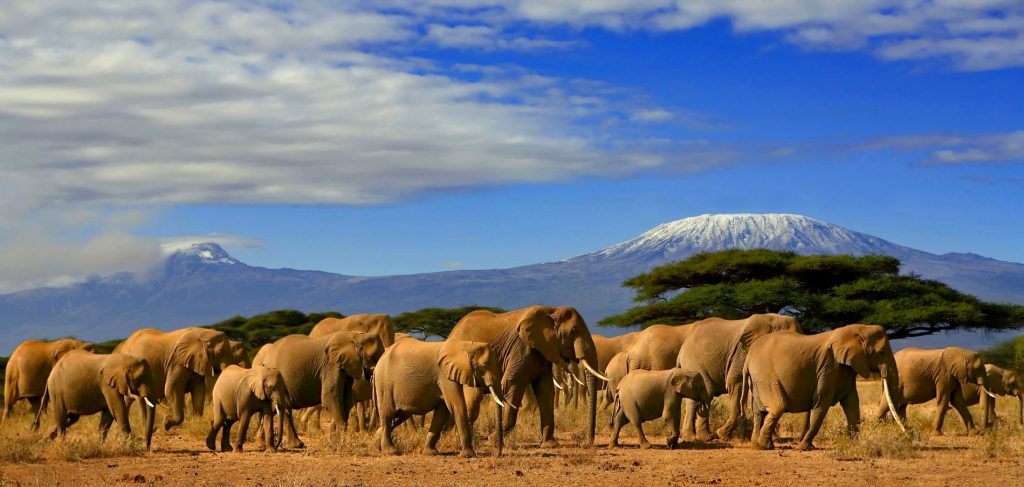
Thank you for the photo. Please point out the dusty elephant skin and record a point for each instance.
(241, 393)
(181, 362)
(29, 366)
(951, 376)
(717, 350)
(792, 373)
(321, 371)
(528, 342)
(415, 377)
(83, 383)
(657, 347)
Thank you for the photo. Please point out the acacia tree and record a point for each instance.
(428, 322)
(822, 291)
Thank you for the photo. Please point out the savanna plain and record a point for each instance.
(879, 455)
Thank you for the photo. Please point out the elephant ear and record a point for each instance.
(538, 332)
(341, 350)
(257, 384)
(848, 347)
(116, 378)
(193, 353)
(456, 361)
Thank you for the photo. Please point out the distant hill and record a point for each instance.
(203, 284)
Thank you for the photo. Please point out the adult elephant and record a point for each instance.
(607, 348)
(181, 360)
(657, 347)
(793, 373)
(1003, 382)
(952, 376)
(29, 366)
(321, 370)
(379, 324)
(84, 383)
(528, 342)
(415, 378)
(717, 349)
(616, 371)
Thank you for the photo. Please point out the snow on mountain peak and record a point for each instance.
(205, 252)
(708, 233)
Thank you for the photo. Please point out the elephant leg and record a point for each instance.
(767, 430)
(71, 419)
(619, 419)
(941, 405)
(672, 415)
(989, 419)
(293, 436)
(35, 403)
(639, 425)
(174, 389)
(117, 409)
(755, 425)
(225, 436)
(734, 409)
(689, 432)
(816, 418)
(243, 428)
(198, 393)
(544, 391)
(456, 404)
(437, 424)
(851, 407)
(106, 419)
(266, 419)
(961, 407)
(703, 425)
(215, 426)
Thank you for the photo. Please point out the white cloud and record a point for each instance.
(948, 149)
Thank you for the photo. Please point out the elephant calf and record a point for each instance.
(84, 383)
(644, 395)
(238, 394)
(1003, 382)
(414, 377)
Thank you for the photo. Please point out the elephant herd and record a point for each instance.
(763, 364)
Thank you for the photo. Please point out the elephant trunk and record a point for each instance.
(591, 408)
(150, 416)
(500, 437)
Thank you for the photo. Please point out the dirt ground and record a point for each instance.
(181, 458)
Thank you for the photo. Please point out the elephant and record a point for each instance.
(657, 347)
(644, 395)
(321, 371)
(84, 383)
(415, 378)
(952, 376)
(615, 371)
(528, 342)
(368, 323)
(717, 349)
(794, 373)
(239, 394)
(608, 347)
(29, 366)
(181, 360)
(1003, 382)
(238, 356)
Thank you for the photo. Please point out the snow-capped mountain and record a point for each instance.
(707, 233)
(202, 283)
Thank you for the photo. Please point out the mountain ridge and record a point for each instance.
(203, 283)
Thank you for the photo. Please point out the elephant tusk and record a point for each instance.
(557, 385)
(985, 389)
(892, 407)
(494, 396)
(148, 403)
(592, 371)
(277, 410)
(577, 379)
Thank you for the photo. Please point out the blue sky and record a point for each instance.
(396, 137)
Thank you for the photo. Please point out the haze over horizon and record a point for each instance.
(397, 138)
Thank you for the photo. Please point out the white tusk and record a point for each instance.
(149, 403)
(993, 396)
(892, 407)
(577, 379)
(277, 410)
(559, 386)
(494, 396)
(592, 371)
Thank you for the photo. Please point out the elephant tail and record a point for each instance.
(746, 398)
(42, 405)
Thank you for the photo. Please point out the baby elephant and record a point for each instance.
(84, 383)
(238, 394)
(644, 395)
